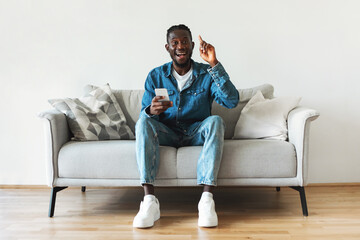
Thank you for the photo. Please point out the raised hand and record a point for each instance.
(207, 52)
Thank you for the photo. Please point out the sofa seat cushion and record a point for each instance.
(244, 159)
(109, 159)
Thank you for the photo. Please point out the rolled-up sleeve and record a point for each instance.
(222, 89)
(147, 98)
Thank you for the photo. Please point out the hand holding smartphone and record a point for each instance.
(159, 106)
(162, 92)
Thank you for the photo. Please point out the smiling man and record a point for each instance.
(184, 120)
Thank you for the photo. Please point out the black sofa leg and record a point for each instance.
(54, 190)
(278, 189)
(301, 191)
(83, 188)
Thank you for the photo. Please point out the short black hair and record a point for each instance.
(177, 27)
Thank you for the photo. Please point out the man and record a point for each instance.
(185, 120)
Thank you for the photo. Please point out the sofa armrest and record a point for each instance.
(57, 133)
(298, 131)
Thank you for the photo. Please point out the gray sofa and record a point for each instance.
(252, 162)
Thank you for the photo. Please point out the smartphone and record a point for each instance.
(162, 92)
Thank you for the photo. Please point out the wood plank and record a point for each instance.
(344, 184)
(244, 213)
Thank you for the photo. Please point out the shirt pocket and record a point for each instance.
(197, 97)
(195, 92)
(172, 95)
(171, 92)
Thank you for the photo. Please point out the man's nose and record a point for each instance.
(180, 45)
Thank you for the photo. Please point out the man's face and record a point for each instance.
(180, 47)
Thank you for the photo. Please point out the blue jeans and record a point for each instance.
(151, 133)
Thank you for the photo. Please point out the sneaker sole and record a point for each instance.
(208, 223)
(157, 217)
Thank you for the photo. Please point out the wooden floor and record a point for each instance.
(244, 213)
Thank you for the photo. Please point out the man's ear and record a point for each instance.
(167, 47)
(193, 45)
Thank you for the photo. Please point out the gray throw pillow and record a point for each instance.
(95, 116)
(265, 118)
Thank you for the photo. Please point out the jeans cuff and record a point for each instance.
(142, 182)
(206, 182)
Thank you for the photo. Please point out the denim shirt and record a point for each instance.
(193, 103)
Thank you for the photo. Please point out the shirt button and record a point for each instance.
(179, 108)
(194, 93)
(184, 130)
(218, 85)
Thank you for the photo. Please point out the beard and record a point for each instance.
(182, 65)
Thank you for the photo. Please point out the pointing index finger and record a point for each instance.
(200, 39)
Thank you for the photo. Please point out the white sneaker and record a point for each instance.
(207, 214)
(149, 212)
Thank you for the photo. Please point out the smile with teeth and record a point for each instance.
(180, 54)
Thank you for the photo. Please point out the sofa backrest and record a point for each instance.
(130, 103)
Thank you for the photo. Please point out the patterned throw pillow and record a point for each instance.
(96, 116)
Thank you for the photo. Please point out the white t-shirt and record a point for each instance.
(182, 80)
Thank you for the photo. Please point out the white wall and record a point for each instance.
(305, 48)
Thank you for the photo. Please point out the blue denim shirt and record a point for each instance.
(193, 103)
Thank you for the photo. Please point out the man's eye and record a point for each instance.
(184, 42)
(174, 42)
